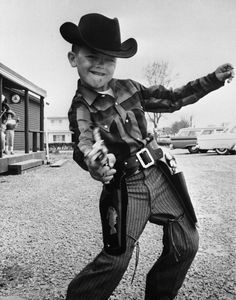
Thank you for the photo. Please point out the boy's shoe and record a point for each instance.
(12, 153)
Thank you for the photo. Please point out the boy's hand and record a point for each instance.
(109, 174)
(100, 163)
(101, 170)
(224, 72)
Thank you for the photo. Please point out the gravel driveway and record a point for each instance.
(50, 229)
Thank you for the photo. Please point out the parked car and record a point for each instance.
(222, 142)
(163, 140)
(186, 138)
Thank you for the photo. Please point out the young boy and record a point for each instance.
(138, 187)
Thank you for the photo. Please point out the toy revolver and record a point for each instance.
(99, 145)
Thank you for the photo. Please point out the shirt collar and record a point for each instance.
(88, 94)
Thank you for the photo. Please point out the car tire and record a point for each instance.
(203, 150)
(193, 149)
(222, 151)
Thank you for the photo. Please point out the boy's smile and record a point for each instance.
(95, 69)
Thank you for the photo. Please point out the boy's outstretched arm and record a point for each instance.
(162, 100)
(224, 72)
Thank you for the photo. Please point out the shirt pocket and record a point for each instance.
(103, 123)
(104, 120)
(105, 127)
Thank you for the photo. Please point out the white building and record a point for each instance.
(58, 130)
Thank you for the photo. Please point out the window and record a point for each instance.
(182, 133)
(189, 132)
(193, 132)
(207, 131)
(59, 138)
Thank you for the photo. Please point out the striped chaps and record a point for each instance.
(150, 198)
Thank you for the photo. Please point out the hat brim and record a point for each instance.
(10, 112)
(71, 34)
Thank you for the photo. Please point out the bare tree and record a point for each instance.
(184, 122)
(157, 73)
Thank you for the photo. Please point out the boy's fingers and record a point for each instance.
(227, 67)
(107, 176)
(93, 152)
(231, 73)
(106, 171)
(107, 181)
(229, 76)
(111, 160)
(111, 172)
(94, 155)
(224, 68)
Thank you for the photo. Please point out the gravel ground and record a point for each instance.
(50, 229)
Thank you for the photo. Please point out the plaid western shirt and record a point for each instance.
(121, 118)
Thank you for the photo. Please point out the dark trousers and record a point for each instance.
(150, 198)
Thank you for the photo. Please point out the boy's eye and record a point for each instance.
(91, 56)
(111, 59)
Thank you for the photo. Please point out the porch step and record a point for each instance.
(21, 166)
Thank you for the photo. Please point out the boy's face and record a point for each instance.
(95, 69)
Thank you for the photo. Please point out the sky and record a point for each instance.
(193, 36)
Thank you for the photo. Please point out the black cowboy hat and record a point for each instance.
(99, 33)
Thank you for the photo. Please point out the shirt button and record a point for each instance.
(116, 103)
(105, 126)
(127, 121)
(103, 95)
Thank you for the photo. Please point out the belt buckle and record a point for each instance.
(140, 159)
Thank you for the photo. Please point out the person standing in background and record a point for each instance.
(11, 125)
(3, 135)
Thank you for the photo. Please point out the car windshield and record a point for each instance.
(183, 133)
(194, 133)
(211, 130)
(188, 132)
(207, 131)
(230, 129)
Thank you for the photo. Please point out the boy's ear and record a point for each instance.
(72, 59)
